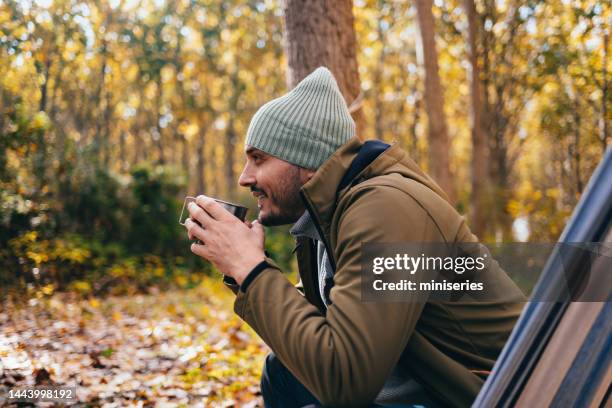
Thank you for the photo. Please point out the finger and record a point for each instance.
(201, 250)
(186, 225)
(256, 225)
(259, 230)
(197, 213)
(195, 231)
(213, 208)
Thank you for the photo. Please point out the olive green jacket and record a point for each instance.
(344, 354)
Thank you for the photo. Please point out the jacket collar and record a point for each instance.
(320, 191)
(305, 227)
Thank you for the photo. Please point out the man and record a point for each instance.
(306, 167)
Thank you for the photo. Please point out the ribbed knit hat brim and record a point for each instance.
(305, 126)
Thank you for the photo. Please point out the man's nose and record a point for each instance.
(246, 179)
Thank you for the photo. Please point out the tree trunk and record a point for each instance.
(181, 114)
(39, 159)
(230, 147)
(98, 137)
(45, 85)
(122, 149)
(480, 155)
(139, 145)
(107, 143)
(161, 159)
(378, 79)
(576, 146)
(3, 112)
(200, 164)
(414, 123)
(230, 133)
(321, 33)
(439, 144)
(185, 158)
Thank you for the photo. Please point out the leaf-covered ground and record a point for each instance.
(176, 348)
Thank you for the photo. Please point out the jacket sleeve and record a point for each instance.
(345, 357)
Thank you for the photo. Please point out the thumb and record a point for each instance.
(256, 225)
(258, 229)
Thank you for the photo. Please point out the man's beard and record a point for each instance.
(286, 199)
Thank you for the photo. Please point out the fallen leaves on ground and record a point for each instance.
(179, 348)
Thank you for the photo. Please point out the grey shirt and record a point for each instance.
(305, 227)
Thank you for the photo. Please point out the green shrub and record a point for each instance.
(102, 232)
(154, 212)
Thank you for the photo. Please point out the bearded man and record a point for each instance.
(306, 167)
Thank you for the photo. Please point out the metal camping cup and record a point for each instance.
(237, 210)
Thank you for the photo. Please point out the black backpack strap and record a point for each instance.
(368, 152)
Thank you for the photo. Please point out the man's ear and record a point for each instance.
(306, 174)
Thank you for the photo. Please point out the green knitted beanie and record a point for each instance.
(307, 125)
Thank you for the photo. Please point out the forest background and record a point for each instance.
(112, 111)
